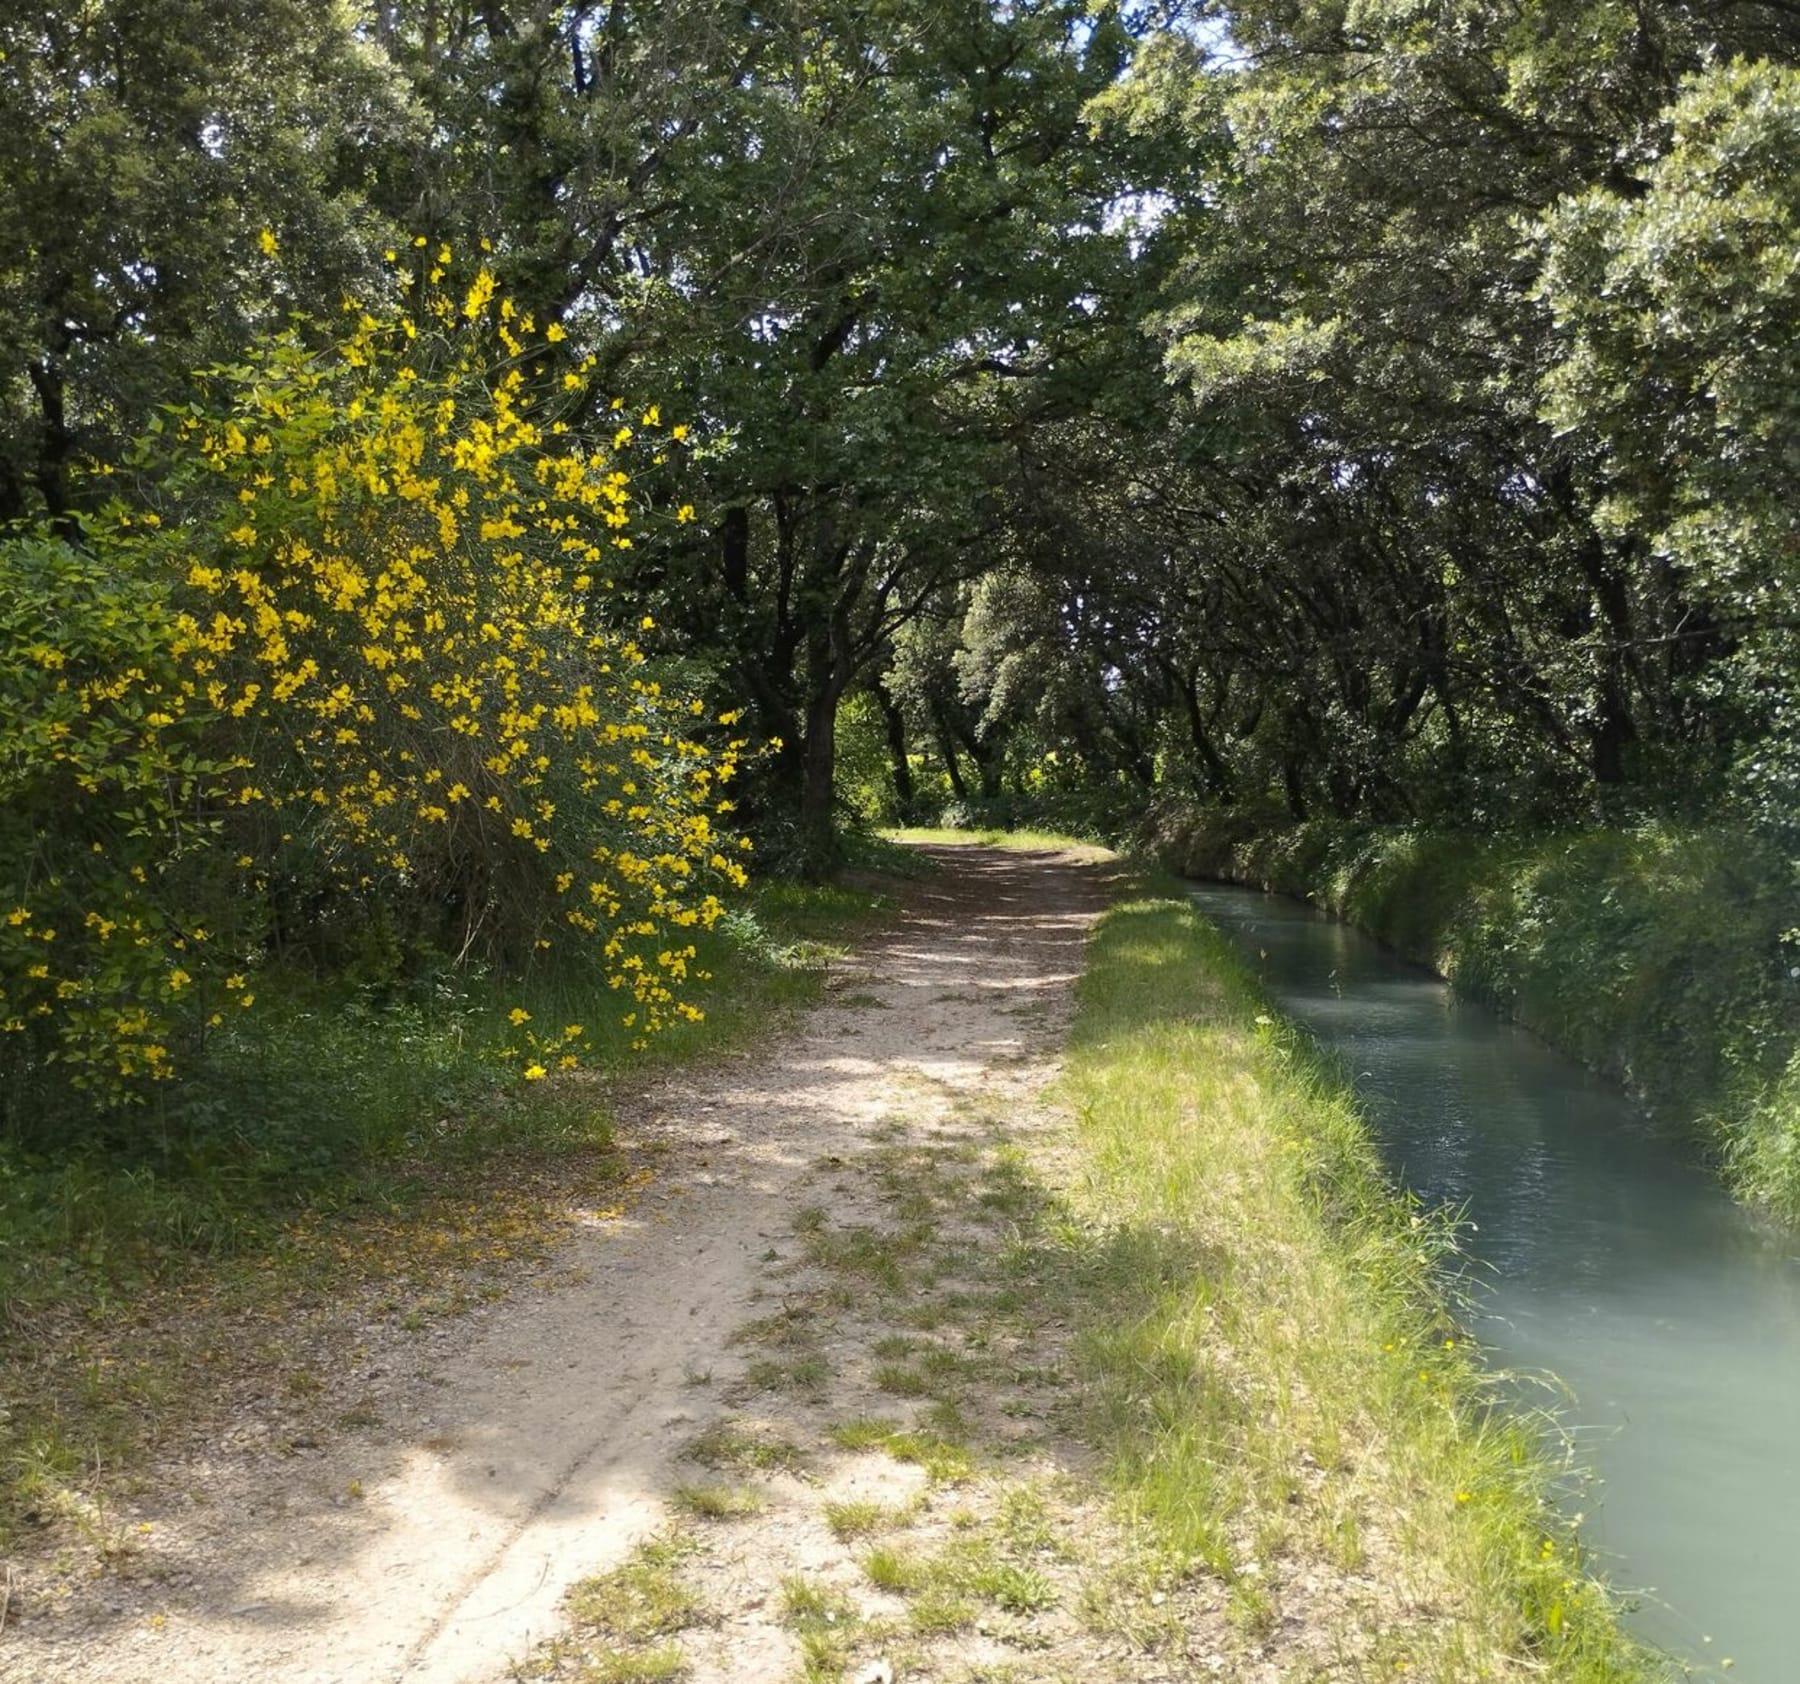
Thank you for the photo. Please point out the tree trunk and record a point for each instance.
(1294, 787)
(1218, 780)
(56, 443)
(899, 764)
(947, 748)
(818, 787)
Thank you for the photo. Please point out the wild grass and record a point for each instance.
(641, 1600)
(623, 1623)
(730, 1446)
(825, 1621)
(861, 1518)
(716, 1502)
(942, 1454)
(663, 1664)
(1026, 841)
(1268, 1359)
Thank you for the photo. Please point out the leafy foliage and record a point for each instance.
(1680, 306)
(348, 685)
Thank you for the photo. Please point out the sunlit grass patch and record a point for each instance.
(664, 1664)
(1028, 841)
(806, 1602)
(732, 1445)
(716, 1502)
(826, 1621)
(979, 1565)
(863, 1433)
(900, 1572)
(1271, 1369)
(941, 1611)
(861, 1518)
(642, 1599)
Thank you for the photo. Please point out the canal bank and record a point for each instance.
(1272, 1372)
(1598, 1250)
(1665, 957)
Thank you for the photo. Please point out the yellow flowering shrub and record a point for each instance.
(345, 667)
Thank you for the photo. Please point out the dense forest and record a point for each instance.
(479, 471)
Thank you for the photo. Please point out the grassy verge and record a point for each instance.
(1667, 958)
(1018, 839)
(353, 1142)
(1272, 1368)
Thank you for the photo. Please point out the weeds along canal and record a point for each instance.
(1601, 1253)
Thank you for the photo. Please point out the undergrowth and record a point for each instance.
(339, 1138)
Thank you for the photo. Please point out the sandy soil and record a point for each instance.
(508, 1454)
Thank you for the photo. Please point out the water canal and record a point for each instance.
(1605, 1255)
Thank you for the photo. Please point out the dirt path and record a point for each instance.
(747, 1367)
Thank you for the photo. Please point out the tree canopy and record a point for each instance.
(1350, 406)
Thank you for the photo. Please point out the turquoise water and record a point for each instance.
(1604, 1255)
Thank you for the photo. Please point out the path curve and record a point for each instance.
(540, 1448)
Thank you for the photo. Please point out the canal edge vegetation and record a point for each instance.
(1294, 1372)
(1662, 956)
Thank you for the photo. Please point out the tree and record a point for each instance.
(1399, 566)
(144, 150)
(1679, 306)
(903, 215)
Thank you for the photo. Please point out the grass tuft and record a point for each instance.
(640, 1601)
(896, 1571)
(730, 1445)
(664, 1664)
(862, 1518)
(717, 1502)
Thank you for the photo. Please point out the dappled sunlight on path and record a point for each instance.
(508, 1452)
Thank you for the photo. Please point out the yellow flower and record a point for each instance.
(535, 1072)
(270, 245)
(518, 1015)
